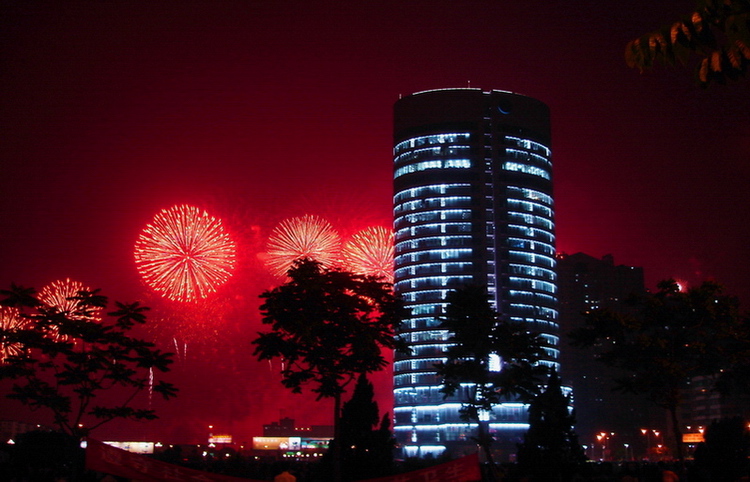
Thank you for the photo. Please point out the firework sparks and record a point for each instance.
(299, 238)
(185, 254)
(60, 295)
(10, 320)
(370, 252)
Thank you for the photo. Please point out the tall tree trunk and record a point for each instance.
(484, 439)
(337, 438)
(677, 434)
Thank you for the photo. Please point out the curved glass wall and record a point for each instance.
(471, 206)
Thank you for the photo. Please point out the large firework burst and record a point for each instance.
(185, 254)
(10, 320)
(302, 237)
(370, 252)
(60, 295)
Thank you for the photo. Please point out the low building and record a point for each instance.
(285, 439)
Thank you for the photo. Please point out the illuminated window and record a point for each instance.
(526, 156)
(533, 284)
(432, 190)
(530, 206)
(528, 144)
(452, 138)
(531, 220)
(530, 232)
(532, 258)
(436, 164)
(430, 153)
(495, 364)
(526, 169)
(525, 193)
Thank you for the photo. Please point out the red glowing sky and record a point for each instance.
(259, 111)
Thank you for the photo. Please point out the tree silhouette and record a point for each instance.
(366, 440)
(667, 338)
(67, 358)
(478, 338)
(328, 327)
(723, 455)
(551, 437)
(717, 32)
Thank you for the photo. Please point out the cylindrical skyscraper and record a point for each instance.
(472, 205)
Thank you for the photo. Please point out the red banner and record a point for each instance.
(111, 460)
(465, 469)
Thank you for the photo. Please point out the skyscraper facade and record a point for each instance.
(472, 205)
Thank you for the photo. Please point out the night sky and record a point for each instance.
(259, 111)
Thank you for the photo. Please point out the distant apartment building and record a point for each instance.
(585, 284)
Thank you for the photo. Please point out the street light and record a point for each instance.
(602, 437)
(647, 433)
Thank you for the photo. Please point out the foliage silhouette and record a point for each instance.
(717, 32)
(551, 437)
(478, 338)
(667, 338)
(327, 327)
(68, 358)
(366, 440)
(44, 455)
(723, 455)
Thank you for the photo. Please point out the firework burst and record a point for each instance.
(185, 254)
(370, 252)
(60, 295)
(302, 237)
(10, 320)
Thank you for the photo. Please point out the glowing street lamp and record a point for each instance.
(647, 433)
(602, 438)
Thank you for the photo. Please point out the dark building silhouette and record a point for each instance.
(472, 205)
(587, 283)
(286, 427)
(703, 405)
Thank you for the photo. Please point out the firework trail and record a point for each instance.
(150, 386)
(302, 237)
(10, 320)
(370, 252)
(180, 351)
(185, 254)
